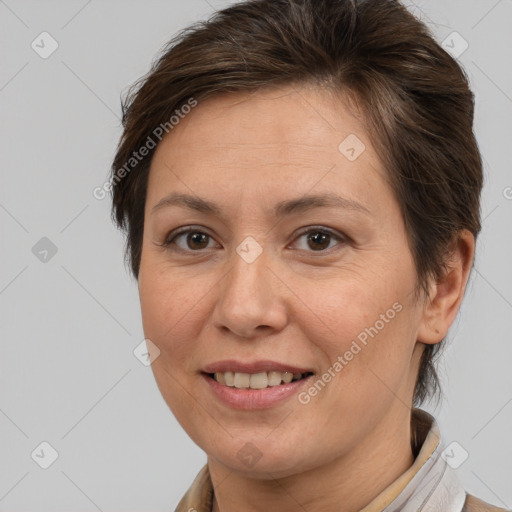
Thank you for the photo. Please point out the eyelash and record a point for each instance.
(170, 240)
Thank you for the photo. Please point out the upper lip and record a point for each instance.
(253, 367)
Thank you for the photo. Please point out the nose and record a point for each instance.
(251, 299)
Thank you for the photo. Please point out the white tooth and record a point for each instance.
(229, 377)
(274, 378)
(287, 377)
(242, 380)
(259, 380)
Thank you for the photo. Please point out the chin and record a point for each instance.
(264, 468)
(263, 458)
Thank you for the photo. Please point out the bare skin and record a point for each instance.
(300, 302)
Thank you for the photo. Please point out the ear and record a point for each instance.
(447, 293)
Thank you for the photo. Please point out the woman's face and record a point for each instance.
(267, 273)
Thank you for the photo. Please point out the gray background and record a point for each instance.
(70, 324)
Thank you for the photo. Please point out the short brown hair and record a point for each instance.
(414, 97)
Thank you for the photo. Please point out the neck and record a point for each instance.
(353, 479)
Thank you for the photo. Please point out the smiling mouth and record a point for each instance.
(261, 380)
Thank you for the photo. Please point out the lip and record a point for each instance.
(254, 399)
(263, 365)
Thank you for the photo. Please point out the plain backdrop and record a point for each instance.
(70, 317)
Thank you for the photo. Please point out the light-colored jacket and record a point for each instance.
(429, 485)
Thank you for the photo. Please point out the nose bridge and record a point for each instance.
(248, 298)
(248, 279)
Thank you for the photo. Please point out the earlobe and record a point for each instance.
(446, 293)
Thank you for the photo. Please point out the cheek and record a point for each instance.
(171, 316)
(344, 309)
(362, 324)
(170, 308)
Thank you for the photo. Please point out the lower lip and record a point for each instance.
(253, 399)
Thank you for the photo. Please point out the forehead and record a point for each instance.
(307, 116)
(286, 137)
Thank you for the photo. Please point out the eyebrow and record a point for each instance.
(281, 209)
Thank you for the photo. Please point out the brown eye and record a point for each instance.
(319, 240)
(197, 240)
(188, 240)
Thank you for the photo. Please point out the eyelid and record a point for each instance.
(307, 229)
